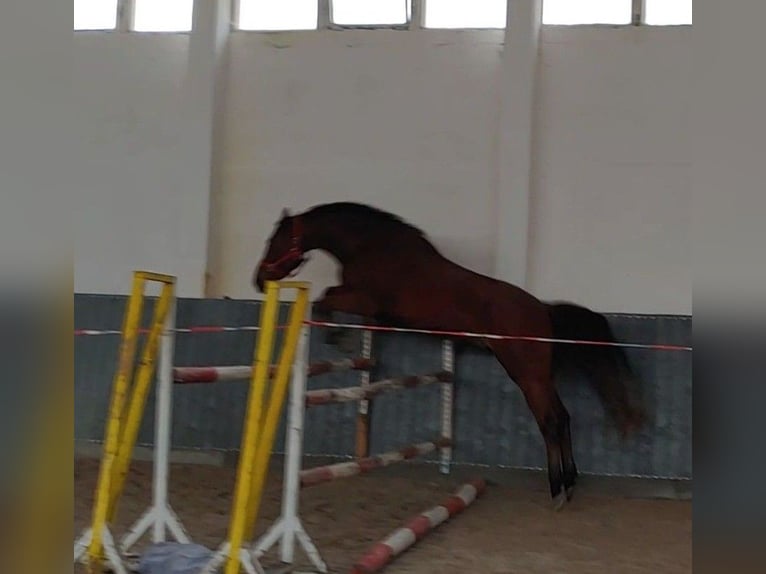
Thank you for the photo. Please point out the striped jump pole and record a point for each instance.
(354, 364)
(320, 474)
(189, 375)
(448, 404)
(364, 409)
(384, 552)
(348, 394)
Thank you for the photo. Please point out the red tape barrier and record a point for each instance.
(442, 333)
(468, 334)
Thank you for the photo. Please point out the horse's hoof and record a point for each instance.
(347, 344)
(559, 501)
(333, 336)
(570, 492)
(342, 340)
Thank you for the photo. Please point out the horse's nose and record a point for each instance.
(258, 280)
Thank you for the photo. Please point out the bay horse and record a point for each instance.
(393, 275)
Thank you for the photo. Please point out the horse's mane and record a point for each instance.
(364, 215)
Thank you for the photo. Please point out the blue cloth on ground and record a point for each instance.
(174, 558)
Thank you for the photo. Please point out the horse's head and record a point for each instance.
(284, 251)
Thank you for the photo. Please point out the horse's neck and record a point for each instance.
(346, 240)
(333, 237)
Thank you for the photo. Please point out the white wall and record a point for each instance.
(611, 204)
(145, 204)
(406, 120)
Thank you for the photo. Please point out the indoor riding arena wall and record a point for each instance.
(493, 426)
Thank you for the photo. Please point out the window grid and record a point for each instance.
(638, 12)
(125, 9)
(125, 15)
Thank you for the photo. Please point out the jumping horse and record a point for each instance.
(392, 274)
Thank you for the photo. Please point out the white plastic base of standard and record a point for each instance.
(158, 518)
(110, 550)
(248, 562)
(286, 532)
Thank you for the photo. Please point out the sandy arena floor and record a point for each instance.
(508, 530)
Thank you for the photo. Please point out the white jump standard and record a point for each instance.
(161, 520)
(289, 527)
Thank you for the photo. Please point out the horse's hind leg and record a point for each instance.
(534, 379)
(568, 465)
(544, 403)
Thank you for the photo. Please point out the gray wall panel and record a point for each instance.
(493, 425)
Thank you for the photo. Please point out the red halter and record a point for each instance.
(293, 254)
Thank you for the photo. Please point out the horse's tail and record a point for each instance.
(605, 366)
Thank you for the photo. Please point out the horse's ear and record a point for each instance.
(285, 213)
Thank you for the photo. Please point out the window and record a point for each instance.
(95, 14)
(465, 13)
(587, 11)
(277, 14)
(668, 12)
(162, 15)
(369, 12)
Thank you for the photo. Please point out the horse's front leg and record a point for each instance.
(345, 300)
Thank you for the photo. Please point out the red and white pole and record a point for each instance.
(418, 527)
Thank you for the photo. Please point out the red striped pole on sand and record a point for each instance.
(384, 552)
